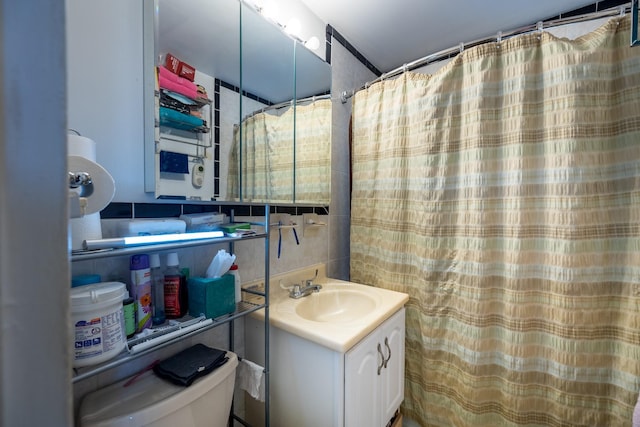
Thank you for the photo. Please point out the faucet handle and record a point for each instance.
(295, 291)
(309, 282)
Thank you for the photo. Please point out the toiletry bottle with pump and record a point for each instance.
(175, 289)
(141, 287)
(157, 290)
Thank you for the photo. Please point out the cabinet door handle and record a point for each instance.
(386, 343)
(382, 363)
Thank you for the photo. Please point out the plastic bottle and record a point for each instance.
(129, 310)
(176, 301)
(141, 289)
(233, 270)
(157, 290)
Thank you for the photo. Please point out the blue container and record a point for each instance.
(212, 297)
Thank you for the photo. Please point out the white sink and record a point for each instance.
(335, 305)
(338, 316)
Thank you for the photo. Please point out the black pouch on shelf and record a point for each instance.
(174, 162)
(186, 366)
(170, 102)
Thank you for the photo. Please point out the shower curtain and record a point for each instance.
(313, 152)
(267, 159)
(268, 156)
(502, 193)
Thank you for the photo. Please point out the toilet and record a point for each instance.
(152, 401)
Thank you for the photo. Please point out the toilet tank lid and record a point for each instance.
(148, 397)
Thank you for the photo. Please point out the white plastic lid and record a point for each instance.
(154, 260)
(172, 259)
(97, 293)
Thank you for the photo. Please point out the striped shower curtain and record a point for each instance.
(502, 193)
(269, 153)
(262, 153)
(313, 152)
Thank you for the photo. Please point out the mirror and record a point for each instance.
(312, 129)
(235, 50)
(634, 23)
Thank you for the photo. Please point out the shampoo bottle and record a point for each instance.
(157, 290)
(141, 287)
(175, 289)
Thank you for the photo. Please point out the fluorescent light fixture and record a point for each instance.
(123, 242)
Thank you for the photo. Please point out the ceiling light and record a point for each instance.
(293, 27)
(271, 11)
(313, 43)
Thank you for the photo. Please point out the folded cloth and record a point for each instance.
(186, 366)
(170, 102)
(166, 83)
(250, 378)
(167, 74)
(178, 120)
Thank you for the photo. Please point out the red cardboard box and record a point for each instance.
(187, 71)
(172, 63)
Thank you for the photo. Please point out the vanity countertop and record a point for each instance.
(338, 316)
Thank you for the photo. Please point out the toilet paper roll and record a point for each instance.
(81, 158)
(80, 146)
(250, 378)
(104, 187)
(87, 227)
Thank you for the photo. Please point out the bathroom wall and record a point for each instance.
(104, 79)
(34, 307)
(347, 72)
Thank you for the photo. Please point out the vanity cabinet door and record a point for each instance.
(362, 384)
(393, 344)
(374, 375)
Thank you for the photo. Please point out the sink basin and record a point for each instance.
(335, 306)
(337, 317)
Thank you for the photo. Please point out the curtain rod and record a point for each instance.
(287, 104)
(446, 53)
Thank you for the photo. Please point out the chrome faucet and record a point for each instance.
(307, 289)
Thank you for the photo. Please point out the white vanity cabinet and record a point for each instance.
(314, 386)
(374, 375)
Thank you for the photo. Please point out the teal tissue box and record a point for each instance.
(212, 297)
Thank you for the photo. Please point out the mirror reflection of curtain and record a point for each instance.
(502, 193)
(313, 152)
(268, 158)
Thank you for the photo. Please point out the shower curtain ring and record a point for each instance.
(499, 38)
(461, 45)
(539, 27)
